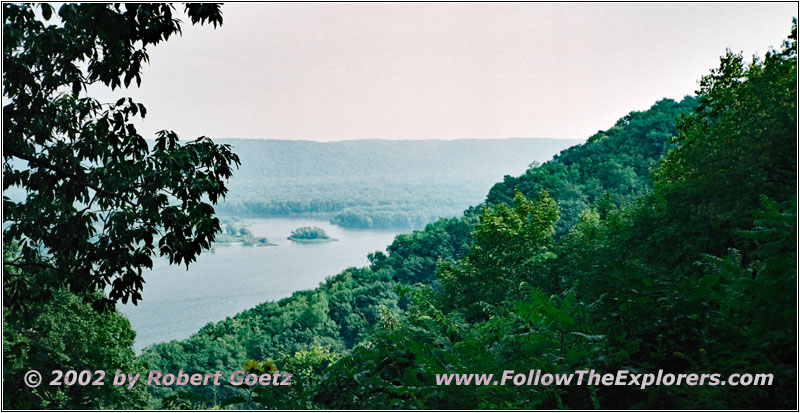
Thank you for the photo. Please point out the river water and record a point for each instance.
(233, 278)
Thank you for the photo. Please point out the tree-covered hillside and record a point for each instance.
(346, 309)
(613, 166)
(694, 275)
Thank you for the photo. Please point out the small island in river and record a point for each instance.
(310, 235)
(236, 233)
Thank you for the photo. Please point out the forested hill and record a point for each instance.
(612, 165)
(694, 274)
(344, 310)
(375, 183)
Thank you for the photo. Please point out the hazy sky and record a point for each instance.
(443, 71)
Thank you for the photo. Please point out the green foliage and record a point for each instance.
(306, 368)
(99, 201)
(309, 233)
(696, 275)
(336, 315)
(413, 257)
(639, 286)
(397, 366)
(754, 301)
(67, 334)
(510, 245)
(251, 396)
(614, 163)
(740, 143)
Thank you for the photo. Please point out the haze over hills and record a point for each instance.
(272, 158)
(375, 183)
(400, 184)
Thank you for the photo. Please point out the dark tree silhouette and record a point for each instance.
(99, 200)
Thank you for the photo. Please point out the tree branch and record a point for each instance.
(66, 174)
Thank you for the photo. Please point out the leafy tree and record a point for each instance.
(99, 201)
(740, 143)
(69, 335)
(511, 245)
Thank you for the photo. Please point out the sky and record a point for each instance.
(339, 71)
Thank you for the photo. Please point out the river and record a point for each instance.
(233, 278)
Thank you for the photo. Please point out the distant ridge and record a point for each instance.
(271, 158)
(375, 182)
